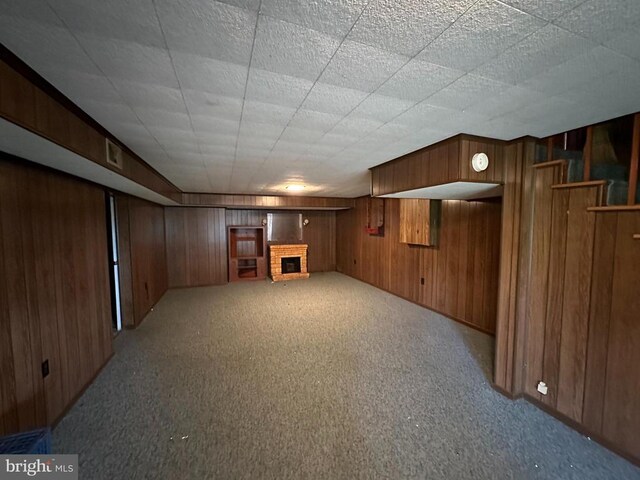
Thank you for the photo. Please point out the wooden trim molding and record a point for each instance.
(614, 208)
(258, 202)
(635, 160)
(592, 183)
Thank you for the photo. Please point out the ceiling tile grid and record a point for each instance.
(245, 96)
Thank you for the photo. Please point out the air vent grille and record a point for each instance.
(114, 154)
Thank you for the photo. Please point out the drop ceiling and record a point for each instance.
(248, 96)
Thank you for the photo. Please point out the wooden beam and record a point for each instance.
(635, 159)
(586, 155)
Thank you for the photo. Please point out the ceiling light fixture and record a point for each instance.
(295, 188)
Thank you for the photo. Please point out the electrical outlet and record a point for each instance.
(45, 368)
(542, 388)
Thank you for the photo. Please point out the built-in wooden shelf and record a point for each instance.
(591, 183)
(247, 253)
(615, 208)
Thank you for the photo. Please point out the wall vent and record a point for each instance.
(114, 154)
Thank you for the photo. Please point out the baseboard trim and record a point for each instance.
(582, 430)
(77, 396)
(450, 317)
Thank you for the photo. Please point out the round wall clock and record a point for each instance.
(480, 162)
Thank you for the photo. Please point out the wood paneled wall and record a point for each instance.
(571, 321)
(197, 242)
(141, 229)
(612, 377)
(460, 275)
(319, 235)
(196, 246)
(444, 162)
(26, 99)
(54, 292)
(515, 255)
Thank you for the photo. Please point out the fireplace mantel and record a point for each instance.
(279, 252)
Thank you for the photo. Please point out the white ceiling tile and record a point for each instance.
(277, 88)
(170, 136)
(33, 10)
(312, 120)
(382, 108)
(406, 27)
(267, 113)
(601, 20)
(331, 17)
(547, 9)
(206, 124)
(210, 104)
(332, 99)
(209, 75)
(227, 151)
(424, 115)
(114, 64)
(209, 29)
(250, 129)
(393, 130)
(627, 43)
(152, 96)
(121, 19)
(248, 153)
(56, 47)
(130, 61)
(466, 91)
(82, 86)
(506, 101)
(338, 139)
(485, 30)
(361, 67)
(417, 80)
(357, 126)
(283, 47)
(163, 118)
(578, 71)
(252, 5)
(541, 110)
(110, 113)
(294, 134)
(539, 52)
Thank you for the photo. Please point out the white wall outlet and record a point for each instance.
(542, 388)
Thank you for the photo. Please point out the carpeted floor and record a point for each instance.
(320, 378)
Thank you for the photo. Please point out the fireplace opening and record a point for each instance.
(290, 265)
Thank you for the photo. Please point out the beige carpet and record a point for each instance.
(319, 378)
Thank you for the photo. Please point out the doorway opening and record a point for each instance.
(114, 267)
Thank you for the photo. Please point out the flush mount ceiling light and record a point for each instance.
(295, 188)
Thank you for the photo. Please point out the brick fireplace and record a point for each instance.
(288, 262)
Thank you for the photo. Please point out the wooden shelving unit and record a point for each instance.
(247, 253)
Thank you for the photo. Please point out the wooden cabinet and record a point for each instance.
(247, 248)
(420, 221)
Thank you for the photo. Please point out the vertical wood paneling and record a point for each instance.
(196, 246)
(386, 263)
(124, 262)
(148, 255)
(54, 292)
(555, 283)
(541, 245)
(621, 418)
(599, 319)
(575, 302)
